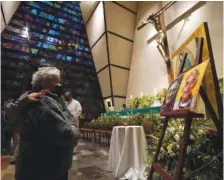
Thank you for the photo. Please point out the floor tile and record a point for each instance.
(89, 163)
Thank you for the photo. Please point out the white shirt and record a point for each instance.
(75, 109)
(188, 105)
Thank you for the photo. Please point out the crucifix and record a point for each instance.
(161, 38)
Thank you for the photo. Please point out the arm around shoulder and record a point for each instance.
(57, 129)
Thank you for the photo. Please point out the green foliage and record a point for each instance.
(203, 160)
(135, 119)
(159, 97)
(131, 118)
(133, 103)
(145, 101)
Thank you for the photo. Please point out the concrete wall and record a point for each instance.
(8, 9)
(211, 12)
(148, 72)
(110, 28)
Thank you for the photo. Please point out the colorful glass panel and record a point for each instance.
(34, 51)
(52, 32)
(48, 3)
(52, 40)
(46, 15)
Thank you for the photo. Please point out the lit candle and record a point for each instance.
(141, 94)
(155, 91)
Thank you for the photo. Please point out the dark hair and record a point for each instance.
(68, 94)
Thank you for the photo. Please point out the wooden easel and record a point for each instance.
(188, 117)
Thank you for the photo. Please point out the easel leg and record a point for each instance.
(158, 147)
(183, 148)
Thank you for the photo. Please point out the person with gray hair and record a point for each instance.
(47, 137)
(12, 110)
(187, 100)
(171, 95)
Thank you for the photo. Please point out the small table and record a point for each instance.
(127, 152)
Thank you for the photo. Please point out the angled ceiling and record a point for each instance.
(110, 28)
(87, 8)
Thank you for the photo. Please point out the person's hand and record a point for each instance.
(35, 96)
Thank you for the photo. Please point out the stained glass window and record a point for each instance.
(34, 51)
(45, 15)
(48, 3)
(57, 5)
(34, 11)
(36, 35)
(17, 56)
(34, 4)
(52, 32)
(52, 40)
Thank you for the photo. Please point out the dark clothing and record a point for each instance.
(6, 134)
(167, 106)
(13, 112)
(46, 140)
(63, 176)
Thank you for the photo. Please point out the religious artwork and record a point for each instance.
(161, 37)
(190, 51)
(183, 91)
(190, 46)
(45, 32)
(189, 87)
(171, 95)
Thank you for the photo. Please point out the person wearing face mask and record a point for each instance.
(13, 111)
(47, 137)
(187, 100)
(171, 95)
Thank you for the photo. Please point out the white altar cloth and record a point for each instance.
(127, 152)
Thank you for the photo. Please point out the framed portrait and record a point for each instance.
(171, 94)
(189, 47)
(189, 87)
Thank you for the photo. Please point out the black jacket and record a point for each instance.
(46, 140)
(13, 110)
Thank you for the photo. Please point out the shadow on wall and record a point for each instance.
(184, 16)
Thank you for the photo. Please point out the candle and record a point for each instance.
(131, 96)
(141, 94)
(155, 91)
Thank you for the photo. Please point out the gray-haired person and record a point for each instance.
(187, 100)
(47, 137)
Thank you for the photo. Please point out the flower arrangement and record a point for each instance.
(133, 103)
(200, 152)
(146, 101)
